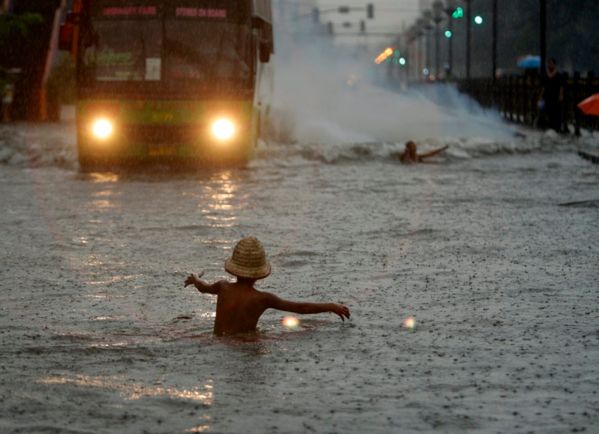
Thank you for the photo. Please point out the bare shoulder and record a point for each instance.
(219, 286)
(268, 299)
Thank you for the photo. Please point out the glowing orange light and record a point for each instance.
(409, 322)
(290, 322)
(384, 55)
(223, 129)
(102, 128)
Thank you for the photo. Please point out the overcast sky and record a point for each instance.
(389, 15)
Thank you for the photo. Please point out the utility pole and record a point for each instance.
(495, 19)
(428, 26)
(449, 9)
(437, 18)
(468, 36)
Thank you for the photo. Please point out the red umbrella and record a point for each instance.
(590, 106)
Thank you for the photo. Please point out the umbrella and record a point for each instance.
(590, 106)
(529, 62)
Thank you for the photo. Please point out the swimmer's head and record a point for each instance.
(411, 147)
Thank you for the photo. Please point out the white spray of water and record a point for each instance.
(327, 95)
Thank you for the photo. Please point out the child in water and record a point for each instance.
(239, 305)
(410, 156)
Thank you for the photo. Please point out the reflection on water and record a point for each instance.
(199, 428)
(134, 391)
(103, 177)
(221, 192)
(102, 204)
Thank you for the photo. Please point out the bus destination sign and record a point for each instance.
(130, 11)
(200, 13)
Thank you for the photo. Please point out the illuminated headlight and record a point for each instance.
(102, 128)
(223, 129)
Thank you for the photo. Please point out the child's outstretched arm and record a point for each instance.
(432, 153)
(274, 302)
(194, 279)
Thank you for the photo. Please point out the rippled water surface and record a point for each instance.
(99, 335)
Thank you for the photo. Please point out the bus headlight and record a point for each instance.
(102, 128)
(223, 129)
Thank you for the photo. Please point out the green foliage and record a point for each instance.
(15, 33)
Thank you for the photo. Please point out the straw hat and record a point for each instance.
(248, 260)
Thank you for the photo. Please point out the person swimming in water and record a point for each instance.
(239, 305)
(410, 156)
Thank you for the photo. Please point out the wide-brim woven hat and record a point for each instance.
(248, 260)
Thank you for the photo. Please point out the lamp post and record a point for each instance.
(494, 62)
(427, 15)
(420, 35)
(437, 18)
(468, 36)
(450, 6)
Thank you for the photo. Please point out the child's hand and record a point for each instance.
(192, 279)
(340, 310)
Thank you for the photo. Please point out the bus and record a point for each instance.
(174, 81)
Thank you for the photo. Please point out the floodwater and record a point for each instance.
(99, 335)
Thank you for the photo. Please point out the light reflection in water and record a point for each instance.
(100, 178)
(220, 208)
(102, 204)
(199, 428)
(134, 391)
(290, 322)
(104, 178)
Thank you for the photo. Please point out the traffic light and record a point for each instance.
(370, 11)
(362, 26)
(458, 13)
(330, 28)
(478, 20)
(448, 34)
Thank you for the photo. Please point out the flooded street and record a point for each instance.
(98, 334)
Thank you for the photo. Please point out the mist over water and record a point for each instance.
(332, 94)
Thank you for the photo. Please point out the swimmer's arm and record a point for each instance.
(432, 153)
(274, 302)
(203, 287)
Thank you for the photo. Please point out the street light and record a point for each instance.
(450, 8)
(420, 26)
(468, 36)
(437, 18)
(427, 15)
(494, 47)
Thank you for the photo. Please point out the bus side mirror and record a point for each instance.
(65, 37)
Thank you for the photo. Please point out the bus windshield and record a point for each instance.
(202, 42)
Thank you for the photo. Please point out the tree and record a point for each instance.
(16, 31)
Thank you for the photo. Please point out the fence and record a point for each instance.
(516, 97)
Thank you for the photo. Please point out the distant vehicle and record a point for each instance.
(173, 80)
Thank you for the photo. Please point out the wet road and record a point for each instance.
(99, 335)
